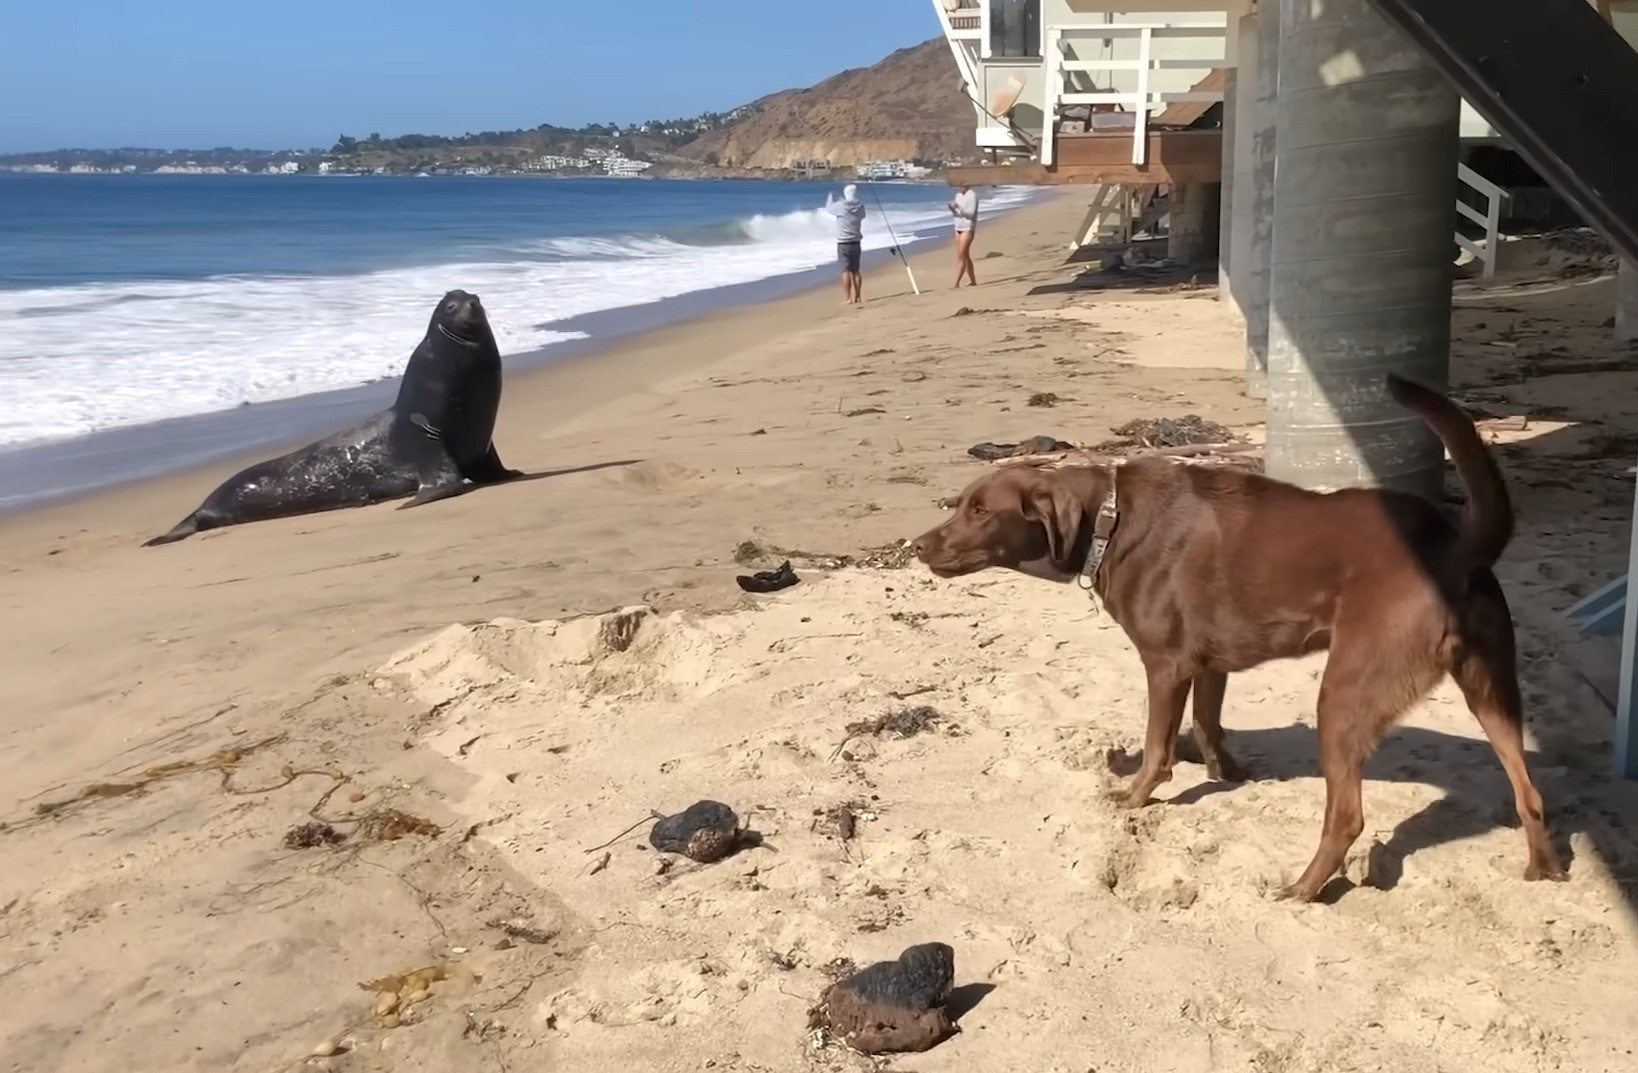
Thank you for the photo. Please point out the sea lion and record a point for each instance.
(435, 442)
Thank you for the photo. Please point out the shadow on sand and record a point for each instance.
(1477, 798)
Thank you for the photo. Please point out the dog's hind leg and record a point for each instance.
(1209, 688)
(1365, 688)
(1484, 666)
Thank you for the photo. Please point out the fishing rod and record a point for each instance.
(893, 238)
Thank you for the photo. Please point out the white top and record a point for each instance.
(965, 205)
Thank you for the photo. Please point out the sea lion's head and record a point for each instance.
(460, 316)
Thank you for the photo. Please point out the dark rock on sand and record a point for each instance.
(894, 1005)
(706, 831)
(769, 580)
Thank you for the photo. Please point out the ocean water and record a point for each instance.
(128, 300)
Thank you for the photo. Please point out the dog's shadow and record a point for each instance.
(1477, 797)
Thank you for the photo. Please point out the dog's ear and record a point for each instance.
(1061, 512)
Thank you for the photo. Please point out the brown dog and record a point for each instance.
(1211, 571)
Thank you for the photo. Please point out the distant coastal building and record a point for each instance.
(615, 163)
(191, 168)
(884, 169)
(608, 161)
(811, 169)
(626, 168)
(558, 162)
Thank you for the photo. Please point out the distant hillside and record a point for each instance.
(909, 106)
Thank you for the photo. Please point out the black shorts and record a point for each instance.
(848, 254)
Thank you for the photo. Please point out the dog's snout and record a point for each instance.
(920, 548)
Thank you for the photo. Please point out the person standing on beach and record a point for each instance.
(850, 214)
(964, 207)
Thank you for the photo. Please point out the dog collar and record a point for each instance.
(1103, 530)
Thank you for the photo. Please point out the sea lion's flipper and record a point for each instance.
(491, 470)
(437, 492)
(183, 529)
(437, 476)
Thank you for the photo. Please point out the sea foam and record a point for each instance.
(79, 359)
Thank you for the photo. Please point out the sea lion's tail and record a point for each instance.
(183, 529)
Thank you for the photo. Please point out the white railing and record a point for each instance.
(962, 19)
(1061, 64)
(1489, 219)
(1116, 212)
(1108, 217)
(962, 23)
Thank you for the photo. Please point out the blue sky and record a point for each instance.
(296, 73)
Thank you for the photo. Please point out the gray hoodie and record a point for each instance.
(850, 214)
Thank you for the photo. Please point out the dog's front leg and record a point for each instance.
(1168, 694)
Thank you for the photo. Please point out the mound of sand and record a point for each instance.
(1102, 933)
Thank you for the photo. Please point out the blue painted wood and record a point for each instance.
(1606, 623)
(1626, 724)
(1599, 603)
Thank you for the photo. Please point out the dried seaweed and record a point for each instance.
(224, 761)
(311, 834)
(899, 723)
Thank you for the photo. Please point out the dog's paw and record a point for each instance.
(1128, 798)
(1293, 893)
(1227, 769)
(1551, 872)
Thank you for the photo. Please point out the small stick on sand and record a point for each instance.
(652, 815)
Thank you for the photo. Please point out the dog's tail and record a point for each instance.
(1486, 526)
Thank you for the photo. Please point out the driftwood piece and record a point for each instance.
(1199, 454)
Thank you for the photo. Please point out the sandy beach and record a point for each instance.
(456, 693)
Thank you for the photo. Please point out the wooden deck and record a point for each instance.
(1174, 156)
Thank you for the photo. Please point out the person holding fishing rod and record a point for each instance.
(850, 214)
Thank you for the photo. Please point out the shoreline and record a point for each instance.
(55, 472)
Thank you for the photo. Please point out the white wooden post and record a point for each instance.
(1492, 234)
(1086, 234)
(1140, 122)
(1626, 725)
(1490, 218)
(1053, 46)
